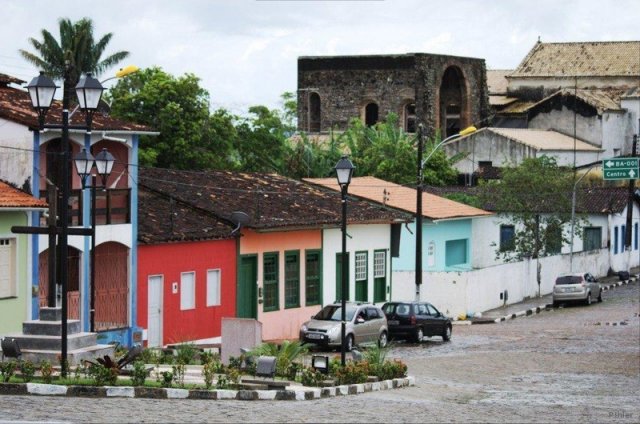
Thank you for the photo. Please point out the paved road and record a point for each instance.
(561, 366)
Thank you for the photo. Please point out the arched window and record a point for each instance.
(409, 114)
(452, 101)
(370, 114)
(314, 113)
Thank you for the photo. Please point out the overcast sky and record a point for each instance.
(245, 51)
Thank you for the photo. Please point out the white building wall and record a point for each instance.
(367, 238)
(623, 260)
(15, 162)
(460, 294)
(588, 129)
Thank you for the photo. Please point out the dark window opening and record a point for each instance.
(507, 238)
(314, 113)
(410, 117)
(452, 120)
(371, 114)
(592, 238)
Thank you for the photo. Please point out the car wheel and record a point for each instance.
(588, 300)
(446, 336)
(383, 339)
(349, 343)
(600, 296)
(419, 335)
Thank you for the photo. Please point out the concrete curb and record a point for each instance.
(546, 307)
(297, 394)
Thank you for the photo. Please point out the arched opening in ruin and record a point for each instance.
(314, 113)
(370, 114)
(453, 102)
(409, 117)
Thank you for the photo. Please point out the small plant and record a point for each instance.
(352, 373)
(7, 369)
(46, 370)
(28, 370)
(233, 374)
(311, 377)
(150, 355)
(79, 371)
(167, 378)
(222, 382)
(103, 375)
(186, 353)
(139, 375)
(208, 372)
(178, 373)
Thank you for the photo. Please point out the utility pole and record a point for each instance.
(628, 228)
(419, 215)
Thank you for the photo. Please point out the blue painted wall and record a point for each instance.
(437, 233)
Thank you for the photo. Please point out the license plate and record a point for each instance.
(393, 322)
(314, 336)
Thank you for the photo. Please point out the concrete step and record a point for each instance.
(42, 342)
(75, 356)
(50, 328)
(50, 314)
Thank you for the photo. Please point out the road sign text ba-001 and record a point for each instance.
(620, 169)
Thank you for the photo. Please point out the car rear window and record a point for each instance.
(569, 279)
(401, 309)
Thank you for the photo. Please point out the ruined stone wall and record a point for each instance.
(346, 84)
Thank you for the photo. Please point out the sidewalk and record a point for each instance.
(538, 304)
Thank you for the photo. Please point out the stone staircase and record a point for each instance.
(41, 340)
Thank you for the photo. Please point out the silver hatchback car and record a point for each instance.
(576, 288)
(366, 324)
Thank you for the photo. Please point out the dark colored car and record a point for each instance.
(414, 320)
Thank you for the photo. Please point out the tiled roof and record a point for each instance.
(8, 79)
(271, 201)
(601, 99)
(11, 197)
(541, 139)
(591, 200)
(501, 100)
(496, 80)
(162, 219)
(611, 58)
(15, 105)
(397, 196)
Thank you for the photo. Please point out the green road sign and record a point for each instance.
(620, 169)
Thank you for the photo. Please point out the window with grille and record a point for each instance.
(379, 264)
(313, 282)
(361, 266)
(270, 281)
(292, 279)
(8, 280)
(592, 238)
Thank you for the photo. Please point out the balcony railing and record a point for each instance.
(113, 206)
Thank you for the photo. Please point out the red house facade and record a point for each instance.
(186, 271)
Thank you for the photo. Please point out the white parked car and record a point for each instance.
(578, 287)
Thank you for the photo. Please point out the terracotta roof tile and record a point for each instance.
(11, 197)
(547, 140)
(610, 58)
(15, 105)
(397, 196)
(271, 201)
(163, 219)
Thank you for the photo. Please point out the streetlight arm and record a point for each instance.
(466, 131)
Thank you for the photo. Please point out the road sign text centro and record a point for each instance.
(620, 169)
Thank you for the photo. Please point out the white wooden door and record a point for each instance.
(154, 320)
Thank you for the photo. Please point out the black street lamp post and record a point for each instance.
(344, 171)
(84, 162)
(89, 91)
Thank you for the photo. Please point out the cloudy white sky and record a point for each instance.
(245, 51)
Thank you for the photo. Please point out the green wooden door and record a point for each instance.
(379, 276)
(339, 276)
(246, 295)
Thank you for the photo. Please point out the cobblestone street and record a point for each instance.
(564, 365)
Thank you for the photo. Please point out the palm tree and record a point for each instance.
(75, 54)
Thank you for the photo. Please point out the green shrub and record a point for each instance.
(150, 355)
(208, 372)
(28, 370)
(46, 370)
(178, 373)
(311, 377)
(102, 375)
(186, 353)
(285, 354)
(7, 369)
(352, 373)
(167, 378)
(139, 375)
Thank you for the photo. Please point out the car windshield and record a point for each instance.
(569, 279)
(334, 313)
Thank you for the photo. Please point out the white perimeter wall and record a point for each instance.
(15, 163)
(465, 293)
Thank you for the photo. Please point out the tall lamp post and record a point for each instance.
(421, 163)
(84, 162)
(344, 171)
(89, 91)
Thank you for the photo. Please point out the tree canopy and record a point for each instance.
(74, 54)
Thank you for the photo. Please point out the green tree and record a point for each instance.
(76, 53)
(190, 137)
(262, 139)
(534, 197)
